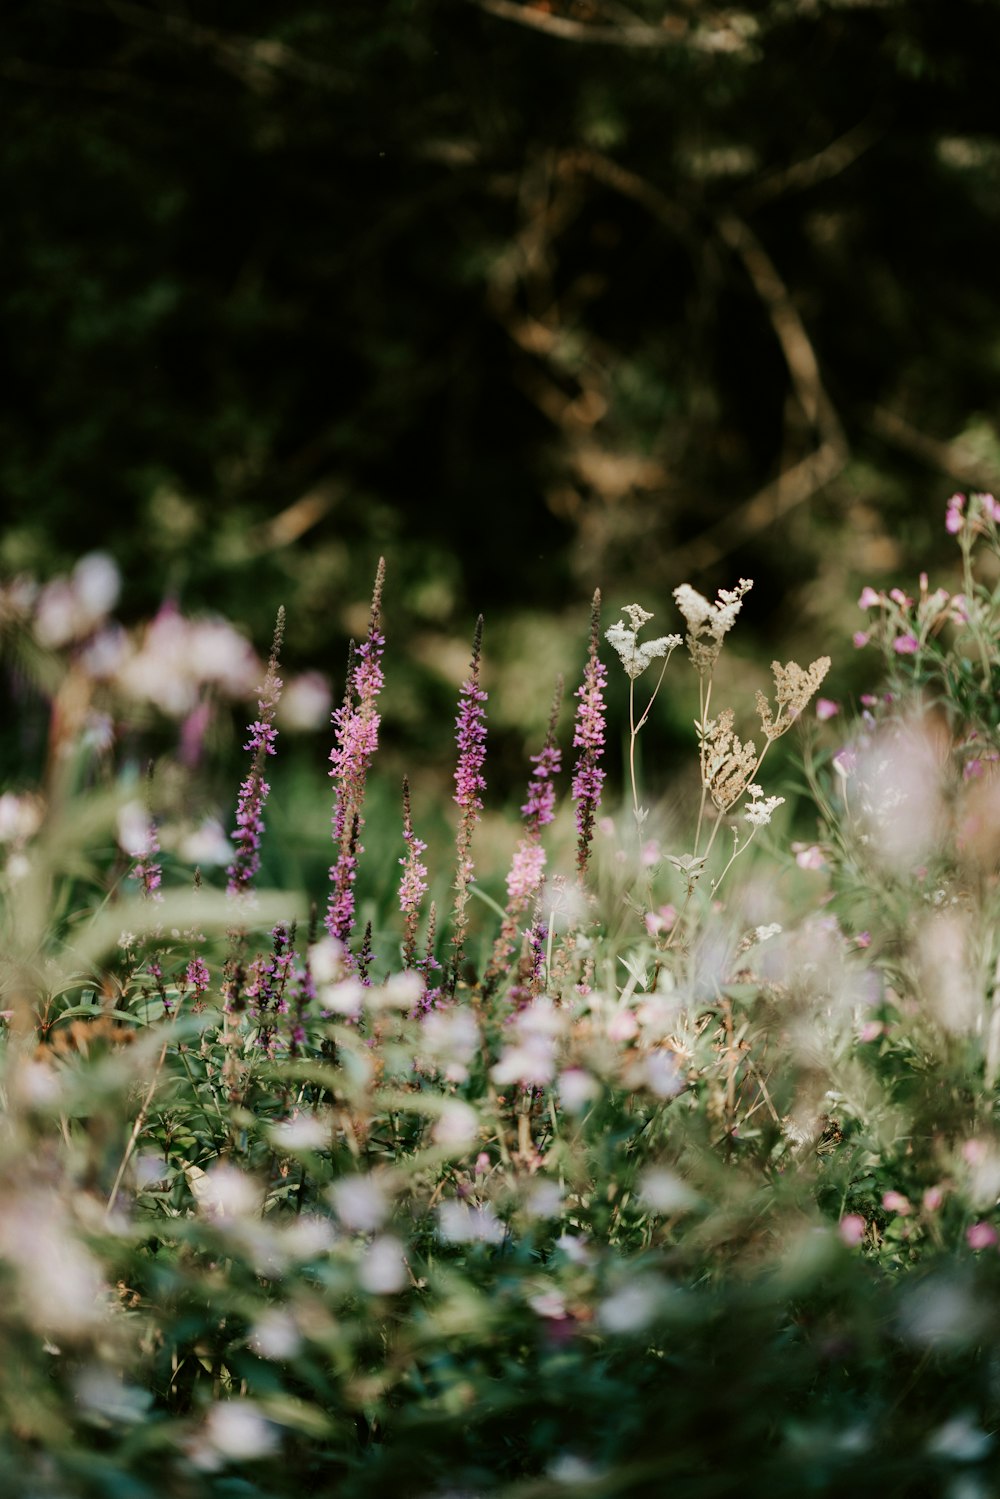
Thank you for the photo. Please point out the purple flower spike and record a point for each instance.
(356, 725)
(470, 736)
(527, 870)
(413, 883)
(255, 790)
(588, 738)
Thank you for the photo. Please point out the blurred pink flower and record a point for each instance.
(826, 708)
(982, 1236)
(852, 1229)
(906, 645)
(860, 639)
(933, 1198)
(869, 598)
(895, 1202)
(808, 856)
(953, 514)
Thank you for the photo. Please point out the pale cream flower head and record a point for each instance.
(708, 624)
(635, 656)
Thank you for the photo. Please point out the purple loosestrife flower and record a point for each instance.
(413, 883)
(197, 977)
(470, 736)
(588, 738)
(146, 868)
(267, 980)
(527, 870)
(356, 726)
(255, 790)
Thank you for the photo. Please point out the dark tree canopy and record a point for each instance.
(528, 296)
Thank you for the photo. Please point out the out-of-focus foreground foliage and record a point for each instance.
(518, 294)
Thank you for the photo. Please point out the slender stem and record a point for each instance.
(633, 731)
(704, 698)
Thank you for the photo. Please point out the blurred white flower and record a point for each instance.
(302, 1132)
(450, 1038)
(361, 1202)
(275, 1334)
(208, 844)
(665, 1192)
(326, 961)
(100, 1391)
(20, 816)
(135, 830)
(346, 998)
(401, 991)
(462, 1223)
(307, 1237)
(225, 1192)
(577, 1088)
(543, 1199)
(233, 1431)
(383, 1267)
(632, 1307)
(961, 1440)
(71, 608)
(58, 1280)
(305, 702)
(457, 1126)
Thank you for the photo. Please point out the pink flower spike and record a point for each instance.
(906, 645)
(851, 1229)
(953, 514)
(869, 598)
(826, 708)
(982, 1236)
(895, 1202)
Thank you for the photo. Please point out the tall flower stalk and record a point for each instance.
(356, 725)
(413, 882)
(255, 789)
(527, 870)
(588, 738)
(470, 737)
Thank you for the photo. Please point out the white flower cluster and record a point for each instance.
(709, 624)
(760, 809)
(635, 657)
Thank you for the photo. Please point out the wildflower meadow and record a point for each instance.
(665, 1160)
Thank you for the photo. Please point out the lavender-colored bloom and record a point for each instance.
(197, 976)
(470, 737)
(146, 868)
(539, 809)
(413, 883)
(255, 790)
(356, 725)
(527, 869)
(264, 990)
(588, 738)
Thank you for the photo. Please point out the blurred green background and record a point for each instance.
(529, 297)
